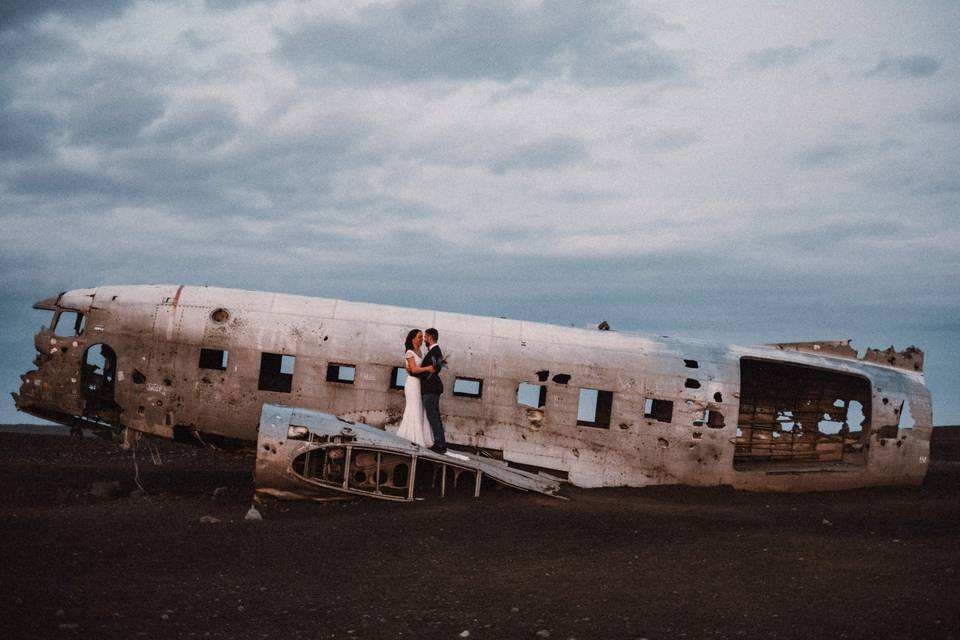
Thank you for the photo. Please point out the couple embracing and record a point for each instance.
(421, 422)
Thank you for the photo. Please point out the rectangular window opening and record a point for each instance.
(594, 408)
(468, 387)
(398, 378)
(531, 395)
(213, 359)
(657, 409)
(68, 323)
(276, 372)
(345, 373)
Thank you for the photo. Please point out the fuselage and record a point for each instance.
(601, 408)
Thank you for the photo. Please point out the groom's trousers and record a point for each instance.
(431, 404)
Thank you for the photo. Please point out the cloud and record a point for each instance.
(55, 180)
(606, 43)
(947, 113)
(25, 133)
(15, 13)
(829, 154)
(201, 124)
(549, 153)
(948, 186)
(914, 66)
(22, 46)
(114, 119)
(781, 57)
(667, 141)
(826, 233)
(226, 5)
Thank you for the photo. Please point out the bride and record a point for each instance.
(414, 426)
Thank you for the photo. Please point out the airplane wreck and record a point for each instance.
(528, 403)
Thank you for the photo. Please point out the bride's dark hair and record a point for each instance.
(410, 336)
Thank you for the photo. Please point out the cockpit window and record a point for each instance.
(68, 323)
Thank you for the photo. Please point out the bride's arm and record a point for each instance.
(414, 369)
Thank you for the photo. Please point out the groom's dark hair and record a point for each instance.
(432, 333)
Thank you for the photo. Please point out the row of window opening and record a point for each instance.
(276, 373)
(594, 407)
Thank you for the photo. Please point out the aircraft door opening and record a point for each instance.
(797, 414)
(98, 382)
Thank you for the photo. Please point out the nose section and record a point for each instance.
(52, 390)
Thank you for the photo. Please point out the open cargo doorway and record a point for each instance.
(797, 415)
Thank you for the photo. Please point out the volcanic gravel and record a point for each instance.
(177, 559)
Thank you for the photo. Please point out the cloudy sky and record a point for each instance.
(770, 172)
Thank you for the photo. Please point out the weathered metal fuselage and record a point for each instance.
(601, 408)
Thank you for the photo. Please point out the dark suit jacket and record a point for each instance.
(430, 383)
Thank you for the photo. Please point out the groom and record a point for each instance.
(431, 387)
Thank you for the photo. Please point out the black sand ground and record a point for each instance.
(656, 563)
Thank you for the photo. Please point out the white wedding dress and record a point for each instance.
(414, 426)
